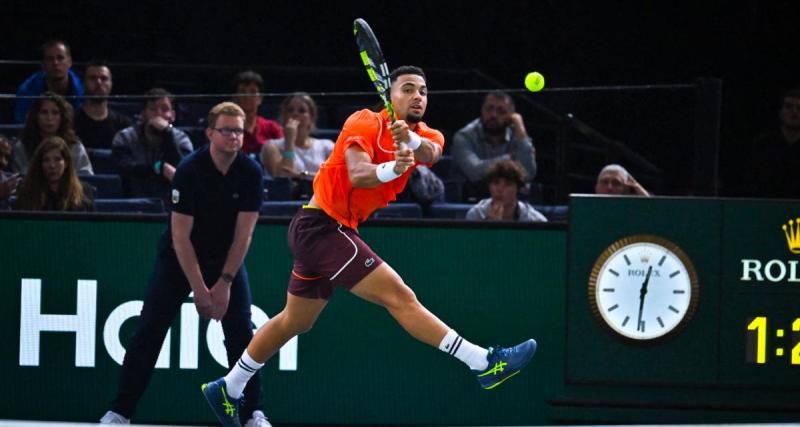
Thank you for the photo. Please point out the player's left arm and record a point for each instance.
(427, 151)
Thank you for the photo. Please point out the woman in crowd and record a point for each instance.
(51, 183)
(298, 154)
(50, 115)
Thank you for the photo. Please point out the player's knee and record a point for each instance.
(402, 298)
(302, 327)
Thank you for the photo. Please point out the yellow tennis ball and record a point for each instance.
(534, 81)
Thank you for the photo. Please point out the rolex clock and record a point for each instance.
(643, 289)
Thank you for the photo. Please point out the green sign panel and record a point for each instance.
(72, 292)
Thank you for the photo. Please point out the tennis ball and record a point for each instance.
(534, 81)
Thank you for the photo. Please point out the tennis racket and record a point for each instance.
(372, 57)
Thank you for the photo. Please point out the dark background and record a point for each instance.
(308, 45)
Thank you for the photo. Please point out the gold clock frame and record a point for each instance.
(669, 245)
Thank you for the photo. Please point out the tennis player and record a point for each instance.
(367, 169)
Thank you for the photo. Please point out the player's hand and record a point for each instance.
(203, 303)
(220, 296)
(403, 158)
(495, 211)
(400, 131)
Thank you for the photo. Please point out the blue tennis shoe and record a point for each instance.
(225, 407)
(504, 363)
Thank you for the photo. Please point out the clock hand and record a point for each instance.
(642, 294)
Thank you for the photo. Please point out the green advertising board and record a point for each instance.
(73, 286)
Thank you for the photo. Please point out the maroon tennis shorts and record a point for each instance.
(326, 254)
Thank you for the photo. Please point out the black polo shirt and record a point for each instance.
(214, 201)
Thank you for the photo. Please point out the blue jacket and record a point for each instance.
(35, 85)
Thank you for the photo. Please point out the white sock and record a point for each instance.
(238, 377)
(465, 351)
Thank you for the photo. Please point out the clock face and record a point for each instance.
(643, 288)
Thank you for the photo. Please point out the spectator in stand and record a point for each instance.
(8, 180)
(148, 152)
(505, 178)
(615, 180)
(50, 115)
(498, 134)
(95, 123)
(774, 158)
(257, 130)
(56, 77)
(51, 183)
(298, 154)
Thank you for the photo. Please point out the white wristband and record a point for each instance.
(385, 172)
(414, 141)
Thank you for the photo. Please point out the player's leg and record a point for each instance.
(493, 366)
(238, 329)
(383, 286)
(225, 394)
(167, 290)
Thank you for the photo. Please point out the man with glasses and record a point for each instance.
(147, 153)
(775, 155)
(215, 199)
(56, 76)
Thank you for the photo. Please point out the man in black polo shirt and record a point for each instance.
(215, 199)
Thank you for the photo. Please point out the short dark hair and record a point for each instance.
(499, 94)
(53, 42)
(792, 93)
(248, 77)
(406, 69)
(95, 62)
(156, 93)
(508, 169)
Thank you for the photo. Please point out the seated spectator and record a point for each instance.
(51, 183)
(95, 123)
(498, 134)
(55, 77)
(50, 115)
(297, 155)
(257, 129)
(774, 157)
(148, 152)
(8, 180)
(615, 180)
(506, 178)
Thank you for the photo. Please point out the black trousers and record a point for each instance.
(167, 290)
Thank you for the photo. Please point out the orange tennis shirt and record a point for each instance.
(334, 192)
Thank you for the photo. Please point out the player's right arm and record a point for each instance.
(364, 174)
(181, 225)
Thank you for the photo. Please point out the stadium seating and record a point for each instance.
(107, 186)
(449, 210)
(137, 205)
(103, 162)
(442, 167)
(399, 210)
(280, 208)
(278, 188)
